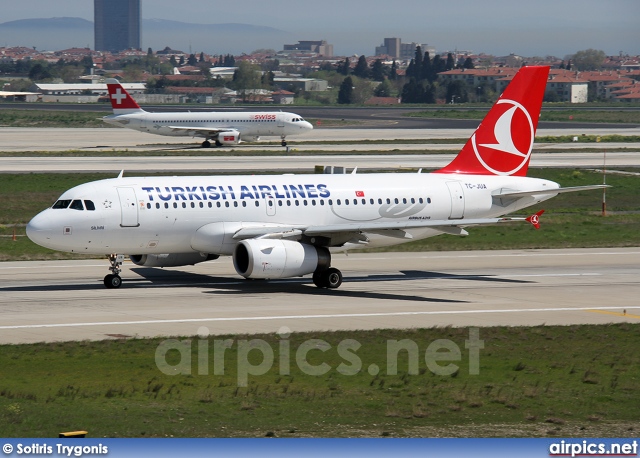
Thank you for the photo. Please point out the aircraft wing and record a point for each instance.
(394, 229)
(203, 131)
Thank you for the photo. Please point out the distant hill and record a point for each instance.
(67, 32)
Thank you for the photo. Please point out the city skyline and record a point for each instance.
(498, 27)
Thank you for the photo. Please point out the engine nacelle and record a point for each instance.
(228, 138)
(170, 259)
(266, 258)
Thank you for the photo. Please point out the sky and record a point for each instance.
(499, 27)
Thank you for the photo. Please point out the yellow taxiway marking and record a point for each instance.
(623, 314)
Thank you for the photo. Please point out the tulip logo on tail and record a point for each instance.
(508, 150)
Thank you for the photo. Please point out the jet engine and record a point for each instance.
(266, 258)
(171, 259)
(228, 138)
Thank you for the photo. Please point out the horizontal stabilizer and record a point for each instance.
(549, 191)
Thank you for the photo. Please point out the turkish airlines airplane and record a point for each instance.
(277, 226)
(223, 128)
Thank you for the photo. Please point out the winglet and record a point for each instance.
(535, 219)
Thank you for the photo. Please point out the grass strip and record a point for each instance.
(572, 381)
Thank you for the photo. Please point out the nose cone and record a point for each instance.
(40, 229)
(307, 126)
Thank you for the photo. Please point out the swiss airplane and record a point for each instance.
(278, 226)
(223, 128)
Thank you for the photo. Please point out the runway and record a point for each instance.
(65, 300)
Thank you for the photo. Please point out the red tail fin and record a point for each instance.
(121, 100)
(502, 144)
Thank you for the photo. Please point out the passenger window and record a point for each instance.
(148, 206)
(61, 204)
(89, 205)
(76, 205)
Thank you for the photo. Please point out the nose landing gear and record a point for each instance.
(113, 280)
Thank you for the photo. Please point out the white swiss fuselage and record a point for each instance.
(250, 124)
(156, 215)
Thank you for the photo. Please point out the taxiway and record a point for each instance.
(65, 300)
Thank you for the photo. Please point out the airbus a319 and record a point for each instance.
(278, 226)
(222, 128)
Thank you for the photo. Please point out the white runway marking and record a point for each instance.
(305, 317)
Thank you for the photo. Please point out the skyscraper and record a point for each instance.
(116, 24)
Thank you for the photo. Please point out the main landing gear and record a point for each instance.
(284, 142)
(206, 144)
(329, 278)
(113, 280)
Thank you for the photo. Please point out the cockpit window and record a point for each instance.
(61, 204)
(89, 205)
(76, 205)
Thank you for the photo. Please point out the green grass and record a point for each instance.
(576, 115)
(51, 118)
(533, 381)
(571, 220)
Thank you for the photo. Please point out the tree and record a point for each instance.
(394, 71)
(417, 63)
(344, 67)
(427, 69)
(192, 61)
(451, 63)
(345, 94)
(589, 59)
(384, 89)
(377, 70)
(201, 59)
(173, 61)
(361, 69)
(438, 66)
(267, 80)
(181, 61)
(457, 92)
(468, 63)
(246, 77)
(39, 71)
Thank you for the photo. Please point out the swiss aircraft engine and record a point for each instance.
(171, 259)
(228, 138)
(265, 258)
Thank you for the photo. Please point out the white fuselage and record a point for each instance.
(153, 215)
(251, 125)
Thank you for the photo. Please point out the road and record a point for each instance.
(65, 300)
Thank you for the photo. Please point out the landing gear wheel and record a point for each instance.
(332, 278)
(206, 144)
(112, 281)
(284, 143)
(218, 143)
